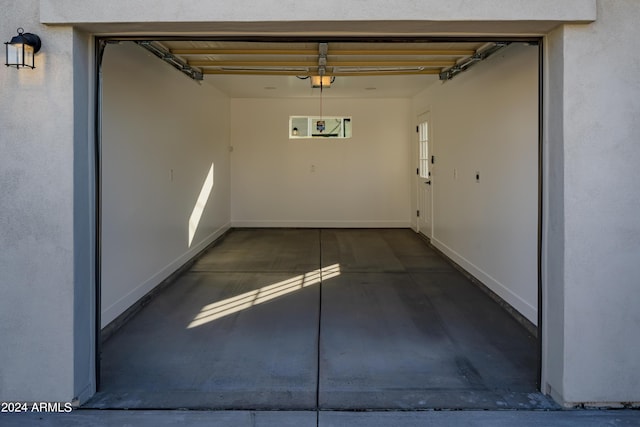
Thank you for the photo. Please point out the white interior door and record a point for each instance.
(423, 176)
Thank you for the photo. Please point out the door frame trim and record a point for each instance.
(100, 45)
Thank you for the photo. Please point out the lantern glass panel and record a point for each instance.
(14, 54)
(28, 56)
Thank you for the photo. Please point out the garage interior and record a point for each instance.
(314, 290)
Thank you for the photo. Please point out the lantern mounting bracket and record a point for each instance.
(31, 39)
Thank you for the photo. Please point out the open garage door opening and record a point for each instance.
(319, 224)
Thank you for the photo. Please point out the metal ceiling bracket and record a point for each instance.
(323, 48)
(467, 63)
(171, 59)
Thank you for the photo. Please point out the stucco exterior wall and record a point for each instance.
(118, 11)
(591, 223)
(357, 17)
(599, 221)
(37, 292)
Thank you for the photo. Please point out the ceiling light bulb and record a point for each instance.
(317, 81)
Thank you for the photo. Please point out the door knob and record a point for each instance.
(428, 182)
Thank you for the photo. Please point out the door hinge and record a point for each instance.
(418, 214)
(433, 159)
(417, 171)
(417, 129)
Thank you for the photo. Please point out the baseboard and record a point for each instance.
(319, 224)
(122, 310)
(514, 304)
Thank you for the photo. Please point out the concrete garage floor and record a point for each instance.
(332, 319)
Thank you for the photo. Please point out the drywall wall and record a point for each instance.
(486, 121)
(363, 181)
(165, 142)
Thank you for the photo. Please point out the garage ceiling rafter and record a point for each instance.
(268, 66)
(351, 58)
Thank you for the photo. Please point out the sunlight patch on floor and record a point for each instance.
(232, 305)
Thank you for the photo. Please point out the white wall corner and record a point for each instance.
(138, 291)
(502, 290)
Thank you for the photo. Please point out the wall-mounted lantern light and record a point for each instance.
(21, 50)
